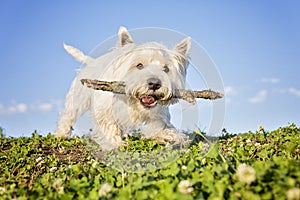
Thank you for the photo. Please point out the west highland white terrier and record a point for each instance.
(151, 73)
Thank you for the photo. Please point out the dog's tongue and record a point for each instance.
(148, 101)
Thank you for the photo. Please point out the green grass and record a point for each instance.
(253, 165)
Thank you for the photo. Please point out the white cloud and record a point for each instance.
(270, 80)
(294, 91)
(278, 91)
(58, 103)
(21, 107)
(229, 90)
(45, 107)
(17, 108)
(260, 97)
(11, 110)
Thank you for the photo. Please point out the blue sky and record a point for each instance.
(254, 44)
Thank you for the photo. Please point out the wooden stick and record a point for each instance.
(119, 87)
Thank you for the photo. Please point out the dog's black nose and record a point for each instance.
(154, 83)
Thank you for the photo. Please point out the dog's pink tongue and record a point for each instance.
(148, 100)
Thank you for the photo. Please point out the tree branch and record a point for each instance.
(119, 87)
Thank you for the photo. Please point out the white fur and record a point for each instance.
(77, 54)
(115, 115)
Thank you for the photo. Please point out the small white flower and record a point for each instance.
(206, 147)
(94, 165)
(248, 141)
(53, 169)
(230, 140)
(58, 186)
(185, 187)
(38, 159)
(293, 194)
(246, 173)
(138, 165)
(2, 190)
(104, 189)
(183, 167)
(257, 144)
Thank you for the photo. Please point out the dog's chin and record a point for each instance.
(148, 101)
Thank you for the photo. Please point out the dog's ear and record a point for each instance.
(124, 37)
(183, 47)
(77, 54)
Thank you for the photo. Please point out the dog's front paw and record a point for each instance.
(63, 132)
(170, 136)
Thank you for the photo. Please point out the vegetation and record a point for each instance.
(1, 133)
(253, 165)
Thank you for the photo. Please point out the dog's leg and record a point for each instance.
(77, 102)
(169, 136)
(106, 131)
(163, 133)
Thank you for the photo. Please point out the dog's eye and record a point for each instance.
(140, 66)
(166, 69)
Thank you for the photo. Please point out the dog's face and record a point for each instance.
(151, 71)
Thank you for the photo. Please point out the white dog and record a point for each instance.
(151, 73)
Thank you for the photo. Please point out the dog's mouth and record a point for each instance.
(148, 100)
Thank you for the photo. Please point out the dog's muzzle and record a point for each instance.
(148, 100)
(154, 84)
(154, 93)
(151, 99)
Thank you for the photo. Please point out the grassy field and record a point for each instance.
(253, 165)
